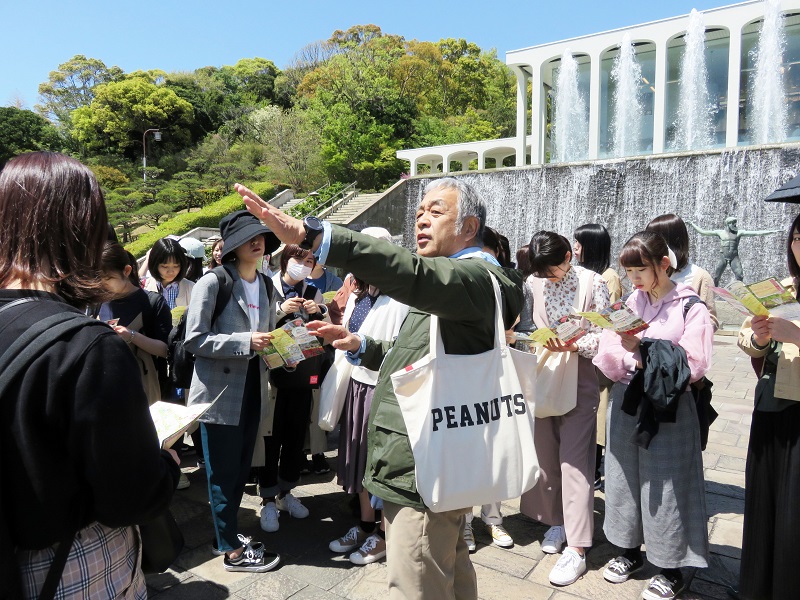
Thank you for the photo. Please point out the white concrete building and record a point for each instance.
(731, 33)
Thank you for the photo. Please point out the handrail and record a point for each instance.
(337, 196)
(338, 204)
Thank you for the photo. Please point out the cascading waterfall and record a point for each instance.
(769, 115)
(572, 118)
(624, 195)
(628, 108)
(693, 125)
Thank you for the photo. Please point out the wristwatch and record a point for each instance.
(313, 227)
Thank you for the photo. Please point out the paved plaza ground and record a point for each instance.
(309, 570)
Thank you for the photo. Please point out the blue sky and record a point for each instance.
(182, 36)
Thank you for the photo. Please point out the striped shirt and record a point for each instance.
(170, 293)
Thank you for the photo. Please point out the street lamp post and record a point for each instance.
(156, 137)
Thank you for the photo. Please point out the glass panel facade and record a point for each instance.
(646, 57)
(791, 73)
(716, 55)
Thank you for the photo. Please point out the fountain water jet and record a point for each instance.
(572, 118)
(767, 90)
(693, 125)
(628, 109)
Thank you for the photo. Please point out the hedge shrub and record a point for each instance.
(208, 216)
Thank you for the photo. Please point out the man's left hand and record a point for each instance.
(335, 335)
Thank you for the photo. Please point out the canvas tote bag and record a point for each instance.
(557, 372)
(470, 421)
(334, 391)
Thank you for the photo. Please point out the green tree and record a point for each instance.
(226, 174)
(25, 131)
(73, 85)
(109, 177)
(122, 111)
(292, 141)
(184, 191)
(153, 214)
(122, 205)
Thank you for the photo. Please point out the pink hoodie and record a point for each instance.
(695, 335)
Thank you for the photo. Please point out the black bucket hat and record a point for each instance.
(240, 227)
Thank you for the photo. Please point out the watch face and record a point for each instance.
(313, 223)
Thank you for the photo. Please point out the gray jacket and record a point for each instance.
(222, 351)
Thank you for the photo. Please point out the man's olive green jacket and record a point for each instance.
(460, 293)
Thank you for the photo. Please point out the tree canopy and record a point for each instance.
(338, 112)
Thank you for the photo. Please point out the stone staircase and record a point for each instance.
(286, 206)
(348, 212)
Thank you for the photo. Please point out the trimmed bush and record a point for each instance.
(208, 216)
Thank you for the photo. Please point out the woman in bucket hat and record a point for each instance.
(227, 367)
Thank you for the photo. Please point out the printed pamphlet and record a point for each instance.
(567, 329)
(617, 317)
(290, 345)
(762, 298)
(173, 420)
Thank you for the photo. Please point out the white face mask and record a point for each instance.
(297, 271)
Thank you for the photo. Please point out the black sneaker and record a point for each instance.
(619, 569)
(253, 560)
(305, 465)
(320, 464)
(662, 587)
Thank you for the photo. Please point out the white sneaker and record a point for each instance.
(183, 482)
(469, 537)
(269, 518)
(554, 540)
(569, 568)
(349, 541)
(500, 536)
(372, 550)
(291, 505)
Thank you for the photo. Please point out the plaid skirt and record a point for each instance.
(103, 562)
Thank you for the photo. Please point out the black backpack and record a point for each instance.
(181, 361)
(13, 362)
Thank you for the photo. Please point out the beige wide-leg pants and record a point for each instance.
(565, 447)
(426, 556)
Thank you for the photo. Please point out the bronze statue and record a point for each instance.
(729, 246)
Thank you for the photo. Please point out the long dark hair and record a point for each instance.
(794, 268)
(673, 229)
(595, 247)
(53, 224)
(546, 249)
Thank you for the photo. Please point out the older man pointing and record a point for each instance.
(450, 277)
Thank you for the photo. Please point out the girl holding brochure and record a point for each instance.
(565, 443)
(293, 393)
(228, 369)
(772, 490)
(141, 318)
(654, 468)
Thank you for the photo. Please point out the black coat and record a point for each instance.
(656, 387)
